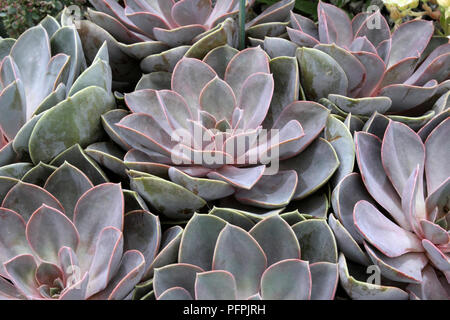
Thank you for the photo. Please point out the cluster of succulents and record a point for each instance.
(144, 154)
(437, 10)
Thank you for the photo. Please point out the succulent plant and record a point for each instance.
(240, 153)
(57, 246)
(224, 150)
(86, 242)
(359, 67)
(3, 139)
(397, 208)
(41, 97)
(228, 262)
(153, 36)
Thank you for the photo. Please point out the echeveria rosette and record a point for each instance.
(363, 67)
(153, 36)
(229, 262)
(212, 99)
(406, 176)
(77, 243)
(38, 71)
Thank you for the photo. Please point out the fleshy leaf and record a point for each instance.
(359, 290)
(341, 139)
(78, 158)
(384, 234)
(13, 107)
(403, 47)
(405, 268)
(352, 67)
(315, 205)
(346, 242)
(79, 124)
(13, 240)
(239, 253)
(219, 58)
(287, 84)
(287, 280)
(338, 19)
(62, 177)
(39, 174)
(168, 251)
(175, 293)
(361, 106)
(109, 156)
(255, 102)
(207, 189)
(430, 288)
(218, 99)
(437, 257)
(164, 61)
(401, 152)
(167, 197)
(128, 275)
(244, 178)
(271, 191)
(35, 196)
(189, 78)
(142, 232)
(437, 171)
(314, 167)
(368, 155)
(233, 216)
(21, 272)
(243, 65)
(77, 291)
(106, 259)
(90, 220)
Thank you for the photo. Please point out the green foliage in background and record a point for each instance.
(19, 15)
(436, 10)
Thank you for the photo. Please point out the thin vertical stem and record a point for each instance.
(242, 25)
